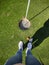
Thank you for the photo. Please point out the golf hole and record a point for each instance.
(24, 24)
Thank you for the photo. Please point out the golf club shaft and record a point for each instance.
(27, 8)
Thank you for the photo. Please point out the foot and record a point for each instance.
(29, 46)
(20, 45)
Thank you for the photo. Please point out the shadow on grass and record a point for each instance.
(38, 13)
(40, 35)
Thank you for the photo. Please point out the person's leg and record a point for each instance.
(30, 59)
(16, 58)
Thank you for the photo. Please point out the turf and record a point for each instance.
(11, 12)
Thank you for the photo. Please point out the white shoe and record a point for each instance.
(29, 46)
(20, 45)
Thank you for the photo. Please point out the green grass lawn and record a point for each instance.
(11, 12)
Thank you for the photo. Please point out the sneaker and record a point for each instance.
(20, 45)
(29, 47)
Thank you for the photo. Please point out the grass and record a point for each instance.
(11, 12)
